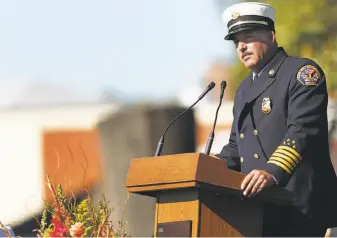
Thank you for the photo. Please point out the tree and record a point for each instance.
(305, 28)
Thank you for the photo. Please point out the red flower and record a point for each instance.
(59, 229)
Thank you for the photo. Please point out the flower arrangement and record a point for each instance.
(65, 218)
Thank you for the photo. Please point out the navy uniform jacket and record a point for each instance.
(280, 126)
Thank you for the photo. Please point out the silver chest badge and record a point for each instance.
(266, 105)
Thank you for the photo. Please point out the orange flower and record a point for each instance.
(76, 230)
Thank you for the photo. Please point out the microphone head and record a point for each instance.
(211, 85)
(223, 84)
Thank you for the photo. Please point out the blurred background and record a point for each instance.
(85, 86)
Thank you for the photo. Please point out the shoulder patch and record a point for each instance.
(308, 75)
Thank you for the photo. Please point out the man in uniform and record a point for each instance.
(280, 133)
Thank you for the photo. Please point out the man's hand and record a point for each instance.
(255, 181)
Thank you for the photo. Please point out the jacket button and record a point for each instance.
(256, 156)
(242, 135)
(241, 159)
(256, 132)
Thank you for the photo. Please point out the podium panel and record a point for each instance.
(197, 195)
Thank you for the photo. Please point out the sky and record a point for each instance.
(138, 47)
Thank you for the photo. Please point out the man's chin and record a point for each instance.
(249, 64)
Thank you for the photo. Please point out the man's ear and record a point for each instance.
(273, 37)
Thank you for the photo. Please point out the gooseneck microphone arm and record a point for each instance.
(211, 135)
(161, 141)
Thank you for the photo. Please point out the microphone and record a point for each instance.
(161, 141)
(211, 135)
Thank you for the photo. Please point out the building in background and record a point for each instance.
(37, 141)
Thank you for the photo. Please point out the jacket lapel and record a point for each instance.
(246, 85)
(258, 87)
(267, 78)
(251, 90)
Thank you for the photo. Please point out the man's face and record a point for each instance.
(251, 46)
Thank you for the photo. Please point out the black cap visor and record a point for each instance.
(245, 27)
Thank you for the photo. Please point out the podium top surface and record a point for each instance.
(152, 174)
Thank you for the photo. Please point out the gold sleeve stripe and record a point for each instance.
(289, 165)
(291, 161)
(280, 165)
(291, 150)
(290, 155)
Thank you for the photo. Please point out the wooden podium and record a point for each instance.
(197, 195)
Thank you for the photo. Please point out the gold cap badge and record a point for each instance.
(235, 15)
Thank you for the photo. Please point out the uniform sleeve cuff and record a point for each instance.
(280, 175)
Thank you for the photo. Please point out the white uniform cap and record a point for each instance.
(248, 15)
